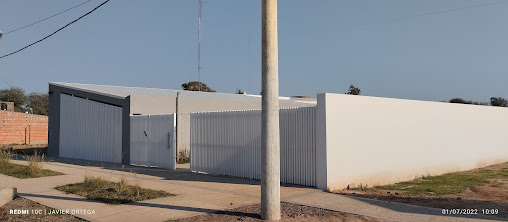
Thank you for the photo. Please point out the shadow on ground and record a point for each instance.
(165, 206)
(182, 173)
(20, 152)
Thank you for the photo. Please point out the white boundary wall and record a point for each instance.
(153, 140)
(376, 141)
(90, 130)
(229, 143)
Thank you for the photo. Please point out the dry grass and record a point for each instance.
(183, 157)
(484, 188)
(123, 186)
(35, 163)
(5, 156)
(34, 169)
(96, 188)
(450, 183)
(137, 189)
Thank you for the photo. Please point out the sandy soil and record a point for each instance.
(25, 204)
(290, 212)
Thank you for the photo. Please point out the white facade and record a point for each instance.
(375, 141)
(353, 140)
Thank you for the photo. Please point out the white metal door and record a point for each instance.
(153, 140)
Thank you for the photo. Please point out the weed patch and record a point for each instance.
(96, 188)
(33, 170)
(450, 183)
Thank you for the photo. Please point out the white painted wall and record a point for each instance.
(377, 141)
(140, 104)
(90, 130)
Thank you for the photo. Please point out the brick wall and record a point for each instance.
(13, 125)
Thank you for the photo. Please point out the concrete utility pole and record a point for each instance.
(199, 43)
(270, 141)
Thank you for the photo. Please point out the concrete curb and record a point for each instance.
(7, 194)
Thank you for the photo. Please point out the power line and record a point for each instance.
(438, 12)
(40, 40)
(44, 19)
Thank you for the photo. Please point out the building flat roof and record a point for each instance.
(124, 91)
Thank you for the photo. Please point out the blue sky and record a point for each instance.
(388, 48)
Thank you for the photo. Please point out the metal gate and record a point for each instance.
(153, 140)
(229, 143)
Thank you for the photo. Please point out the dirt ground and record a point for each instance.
(23, 146)
(26, 149)
(25, 204)
(290, 212)
(493, 195)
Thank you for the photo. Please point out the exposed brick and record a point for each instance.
(14, 127)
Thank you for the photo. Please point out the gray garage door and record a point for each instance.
(90, 130)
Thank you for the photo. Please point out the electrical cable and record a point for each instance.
(40, 40)
(44, 19)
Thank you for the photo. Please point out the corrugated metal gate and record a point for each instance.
(229, 143)
(90, 130)
(153, 140)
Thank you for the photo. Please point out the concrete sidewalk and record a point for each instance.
(196, 194)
